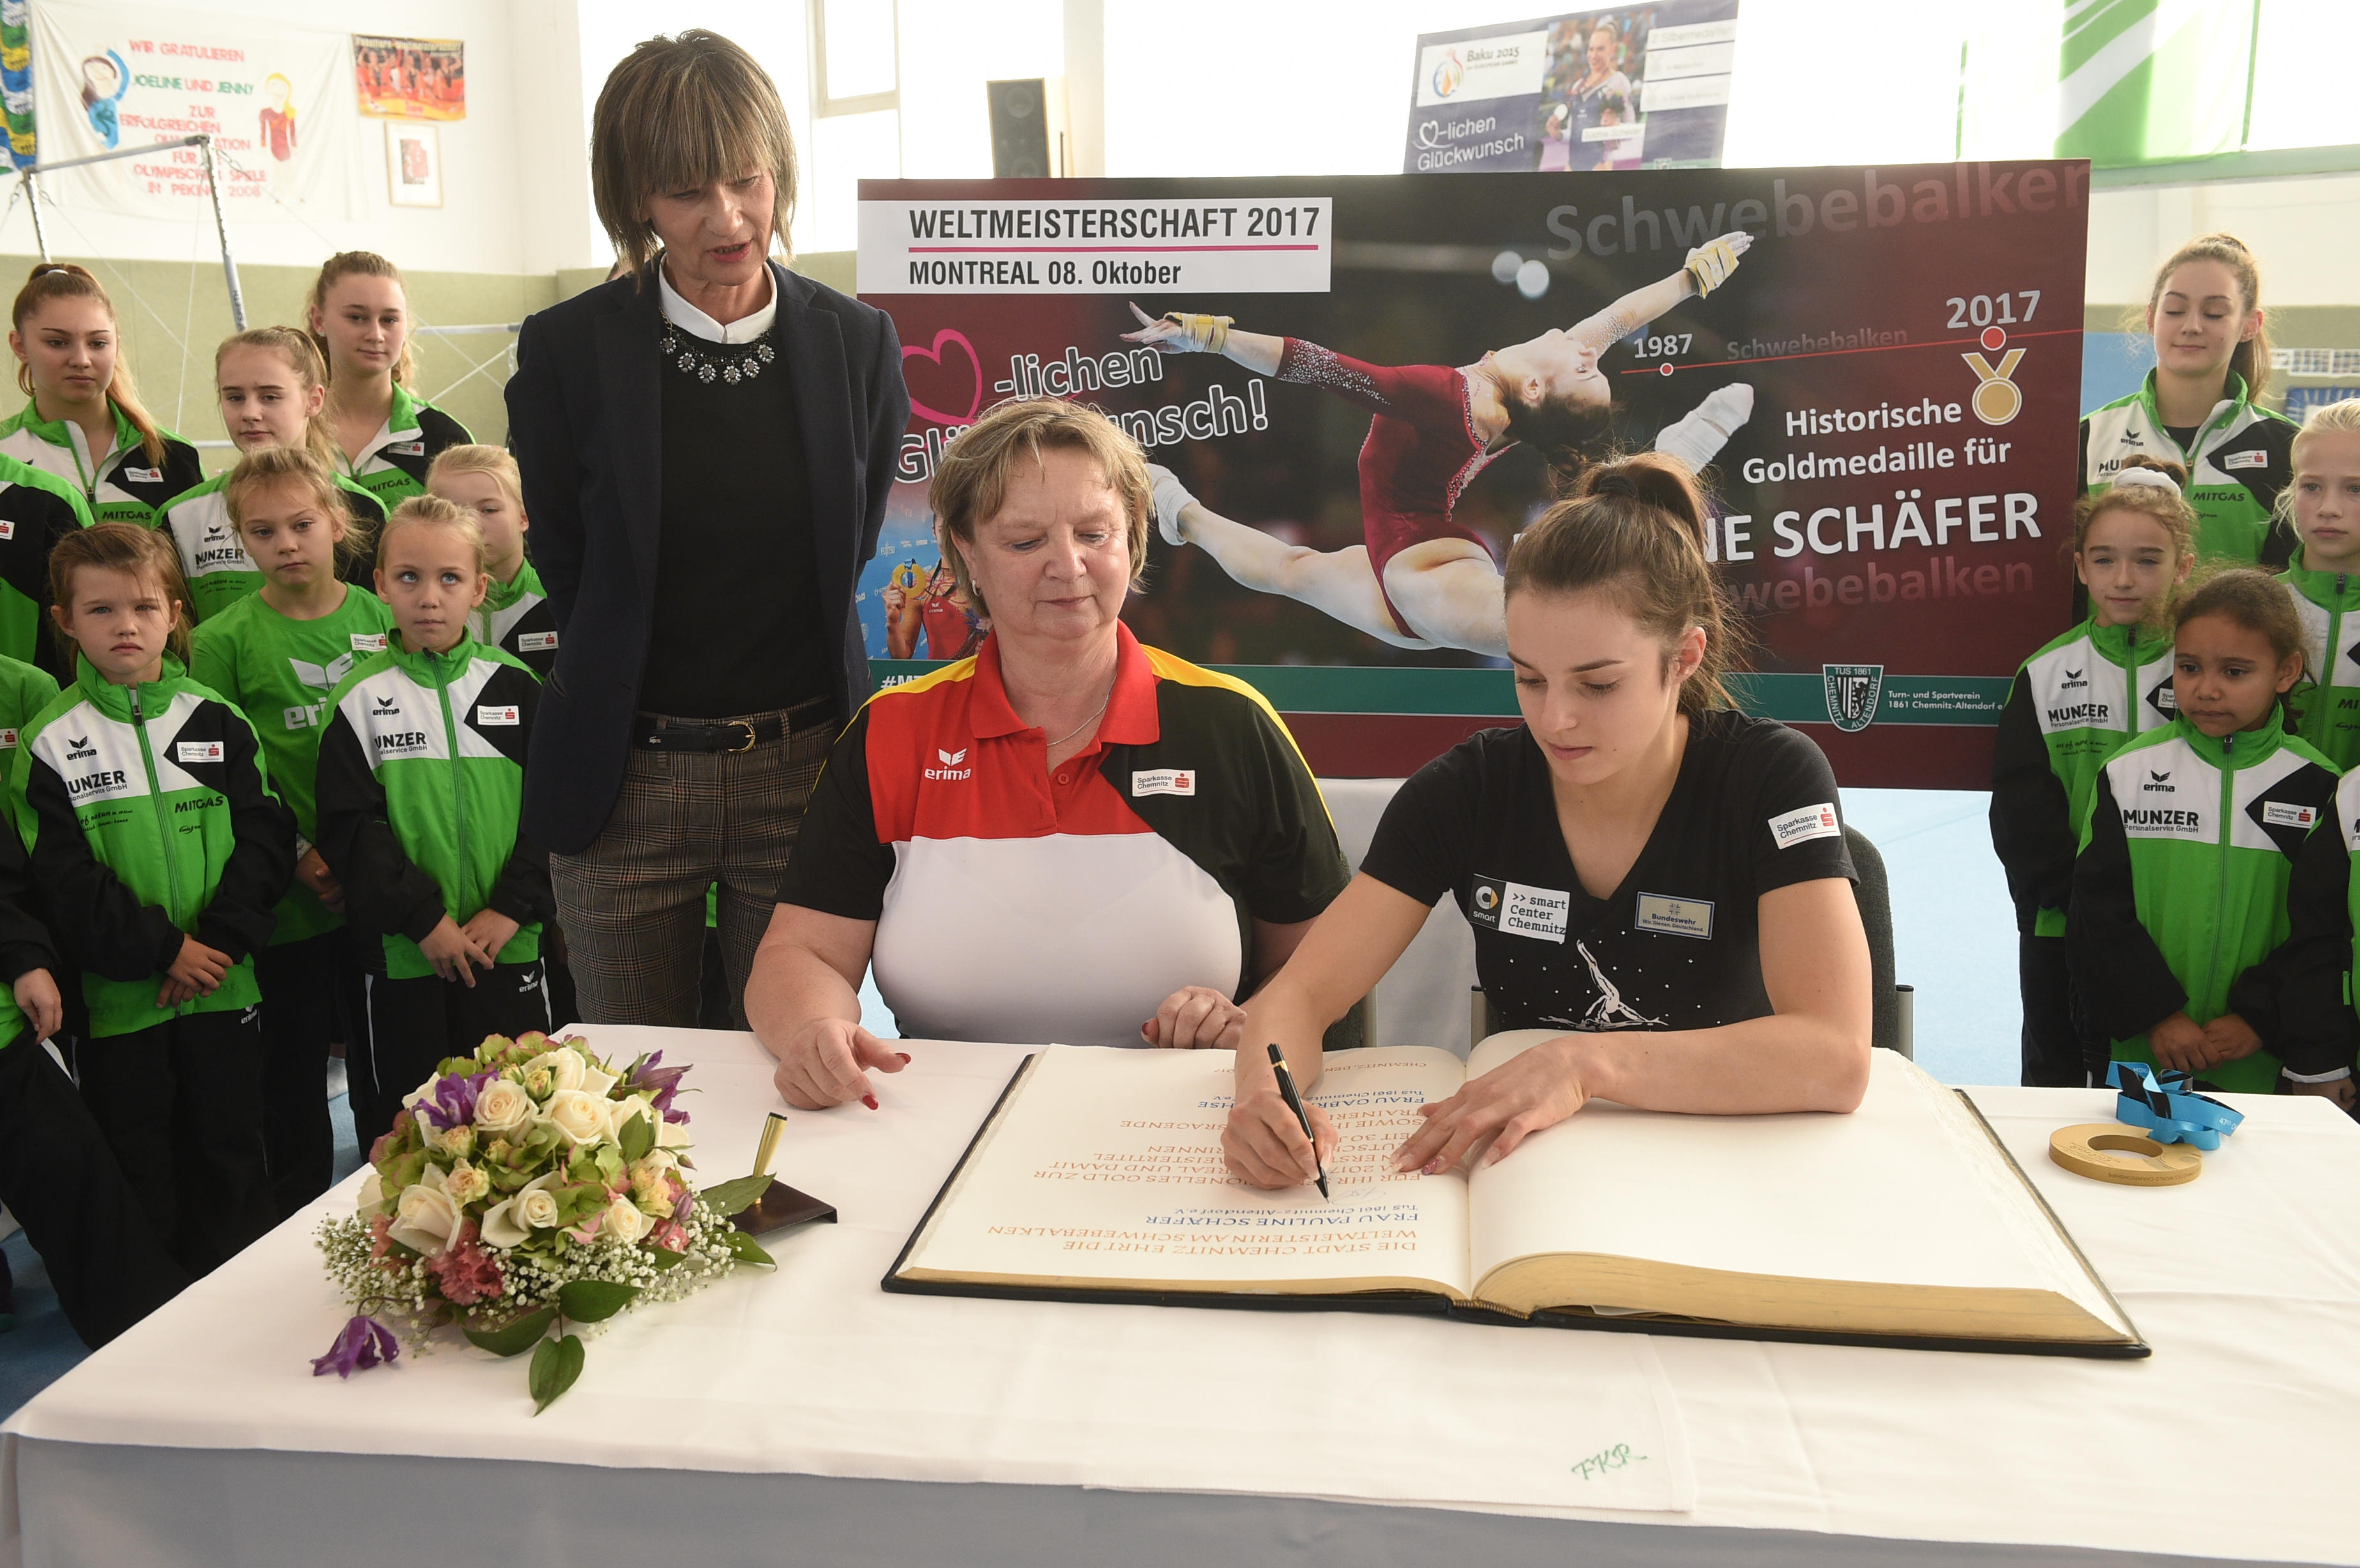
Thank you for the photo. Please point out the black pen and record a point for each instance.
(1294, 1104)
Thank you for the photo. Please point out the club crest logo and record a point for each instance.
(1852, 692)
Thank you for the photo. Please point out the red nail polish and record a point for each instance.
(902, 1054)
(869, 1101)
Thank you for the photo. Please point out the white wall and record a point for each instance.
(489, 221)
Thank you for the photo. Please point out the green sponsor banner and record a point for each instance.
(2154, 81)
(1861, 697)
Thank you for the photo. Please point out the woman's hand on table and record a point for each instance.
(823, 1064)
(1196, 1018)
(1536, 1089)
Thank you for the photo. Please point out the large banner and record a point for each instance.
(1624, 87)
(1883, 393)
(276, 99)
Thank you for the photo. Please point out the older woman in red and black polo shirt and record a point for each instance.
(1068, 836)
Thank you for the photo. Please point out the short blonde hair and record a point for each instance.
(679, 114)
(476, 458)
(971, 481)
(300, 466)
(432, 511)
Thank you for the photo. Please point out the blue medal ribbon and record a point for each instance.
(2167, 1109)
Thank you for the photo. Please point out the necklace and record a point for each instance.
(1085, 724)
(709, 362)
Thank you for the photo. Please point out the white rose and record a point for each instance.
(371, 1193)
(624, 1110)
(671, 1135)
(503, 1108)
(535, 1207)
(458, 1141)
(648, 1171)
(466, 1183)
(565, 1068)
(598, 1080)
(425, 1217)
(579, 1114)
(624, 1224)
(500, 1227)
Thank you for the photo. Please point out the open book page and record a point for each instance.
(1104, 1169)
(1904, 1216)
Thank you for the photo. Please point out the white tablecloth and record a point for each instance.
(808, 1417)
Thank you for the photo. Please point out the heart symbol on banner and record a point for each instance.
(975, 374)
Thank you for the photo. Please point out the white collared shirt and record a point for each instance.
(691, 320)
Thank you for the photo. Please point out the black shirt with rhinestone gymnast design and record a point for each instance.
(738, 625)
(1677, 945)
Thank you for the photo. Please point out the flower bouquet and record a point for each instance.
(524, 1189)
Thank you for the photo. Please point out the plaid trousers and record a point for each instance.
(632, 904)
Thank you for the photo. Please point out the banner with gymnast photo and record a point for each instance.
(1356, 391)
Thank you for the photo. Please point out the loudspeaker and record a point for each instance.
(1028, 132)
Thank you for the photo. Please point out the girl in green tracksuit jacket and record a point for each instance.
(385, 433)
(277, 654)
(162, 853)
(421, 784)
(2199, 405)
(2074, 704)
(85, 423)
(2179, 928)
(271, 386)
(2324, 507)
(515, 616)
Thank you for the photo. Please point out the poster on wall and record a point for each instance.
(273, 98)
(1623, 87)
(1881, 389)
(411, 79)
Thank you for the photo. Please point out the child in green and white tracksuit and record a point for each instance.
(279, 654)
(162, 853)
(2178, 924)
(2323, 505)
(420, 790)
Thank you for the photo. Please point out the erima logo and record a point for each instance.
(323, 676)
(385, 705)
(950, 770)
(953, 758)
(2072, 679)
(78, 747)
(2161, 782)
(303, 718)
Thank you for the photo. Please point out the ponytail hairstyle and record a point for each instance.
(2160, 495)
(1560, 431)
(2324, 419)
(303, 357)
(361, 263)
(64, 281)
(2251, 358)
(1634, 529)
(301, 466)
(2251, 598)
(121, 546)
(432, 511)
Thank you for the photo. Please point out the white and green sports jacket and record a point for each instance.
(118, 485)
(2327, 700)
(219, 570)
(2241, 458)
(2179, 896)
(392, 467)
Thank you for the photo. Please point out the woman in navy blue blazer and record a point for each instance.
(707, 442)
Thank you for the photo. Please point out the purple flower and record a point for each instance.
(363, 1343)
(660, 1083)
(452, 1104)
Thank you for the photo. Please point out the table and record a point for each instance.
(200, 1437)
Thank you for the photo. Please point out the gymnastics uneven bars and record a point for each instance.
(212, 187)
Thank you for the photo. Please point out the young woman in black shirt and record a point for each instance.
(1649, 870)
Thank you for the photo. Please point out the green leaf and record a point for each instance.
(594, 1301)
(665, 1257)
(730, 1197)
(555, 1365)
(637, 1138)
(518, 1337)
(745, 1249)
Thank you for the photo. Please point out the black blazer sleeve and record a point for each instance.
(2120, 972)
(888, 416)
(539, 436)
(383, 891)
(2031, 828)
(243, 908)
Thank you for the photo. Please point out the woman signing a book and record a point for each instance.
(1067, 836)
(1656, 874)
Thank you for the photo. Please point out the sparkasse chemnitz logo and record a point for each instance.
(1852, 692)
(2159, 783)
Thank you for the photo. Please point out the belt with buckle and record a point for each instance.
(721, 734)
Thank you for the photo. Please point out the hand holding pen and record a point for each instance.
(1268, 1143)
